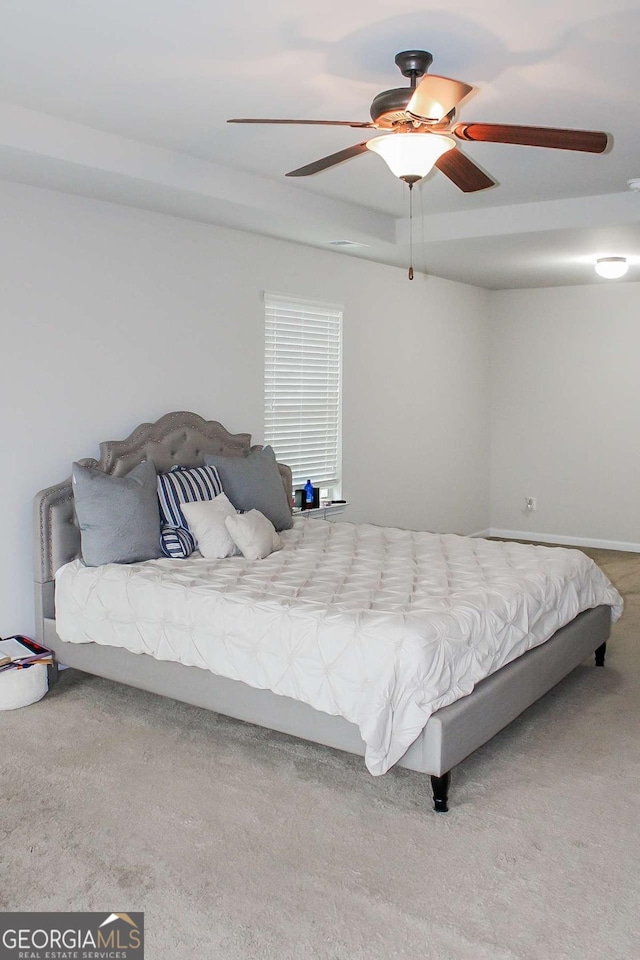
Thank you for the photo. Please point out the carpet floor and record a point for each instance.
(243, 844)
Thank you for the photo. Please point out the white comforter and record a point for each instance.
(378, 625)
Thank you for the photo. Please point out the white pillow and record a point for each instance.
(206, 519)
(254, 534)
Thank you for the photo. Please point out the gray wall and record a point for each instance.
(565, 412)
(112, 315)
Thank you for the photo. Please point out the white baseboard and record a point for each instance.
(481, 533)
(622, 545)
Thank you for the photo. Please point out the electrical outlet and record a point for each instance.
(531, 504)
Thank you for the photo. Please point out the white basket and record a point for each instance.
(19, 688)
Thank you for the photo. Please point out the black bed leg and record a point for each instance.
(440, 786)
(600, 653)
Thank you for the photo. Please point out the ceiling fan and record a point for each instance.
(421, 118)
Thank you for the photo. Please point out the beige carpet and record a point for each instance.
(240, 843)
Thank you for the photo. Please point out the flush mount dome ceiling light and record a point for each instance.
(611, 268)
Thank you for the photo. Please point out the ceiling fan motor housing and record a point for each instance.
(388, 108)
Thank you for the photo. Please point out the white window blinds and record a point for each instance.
(302, 381)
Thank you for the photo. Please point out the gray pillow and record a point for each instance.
(254, 482)
(119, 517)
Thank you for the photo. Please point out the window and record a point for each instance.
(302, 387)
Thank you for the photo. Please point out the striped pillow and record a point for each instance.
(183, 485)
(176, 542)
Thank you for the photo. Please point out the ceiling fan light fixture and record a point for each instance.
(410, 156)
(612, 268)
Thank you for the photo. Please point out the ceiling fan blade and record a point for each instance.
(329, 161)
(322, 123)
(435, 97)
(463, 172)
(586, 141)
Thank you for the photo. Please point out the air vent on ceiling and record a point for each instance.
(345, 243)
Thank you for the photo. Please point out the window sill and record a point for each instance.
(322, 513)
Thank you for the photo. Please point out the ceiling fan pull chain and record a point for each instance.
(423, 259)
(410, 231)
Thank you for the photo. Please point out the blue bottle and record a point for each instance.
(308, 495)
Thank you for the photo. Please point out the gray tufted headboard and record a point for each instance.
(180, 437)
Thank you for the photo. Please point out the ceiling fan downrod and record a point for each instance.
(413, 64)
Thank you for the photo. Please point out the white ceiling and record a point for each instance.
(127, 101)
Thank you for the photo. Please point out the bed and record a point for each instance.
(288, 692)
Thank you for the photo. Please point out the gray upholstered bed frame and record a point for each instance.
(451, 734)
